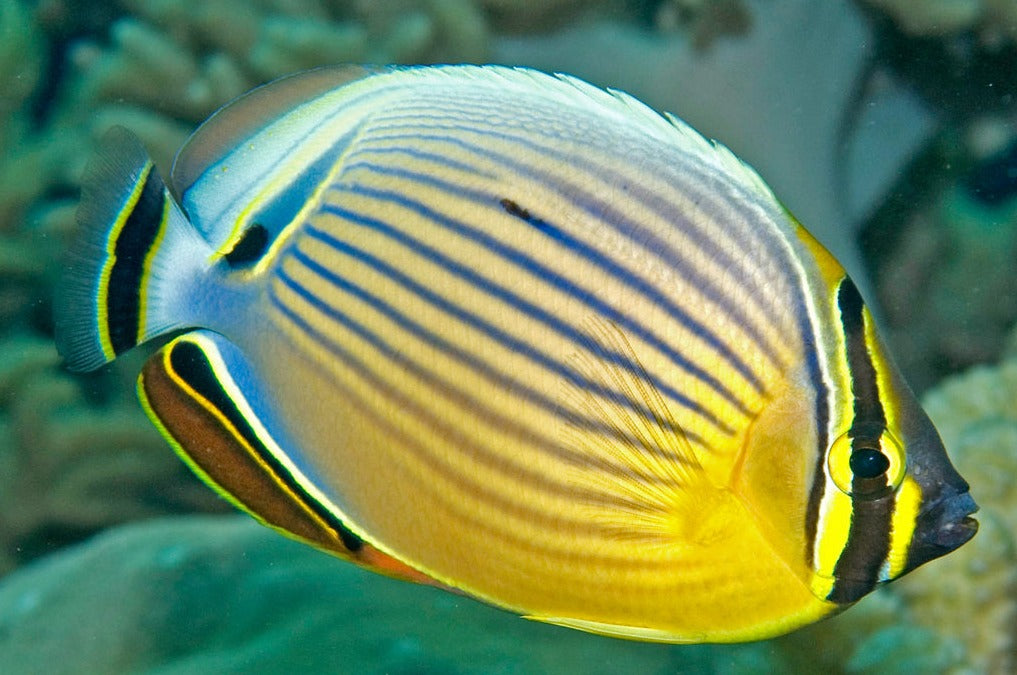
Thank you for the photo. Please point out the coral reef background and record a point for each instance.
(937, 230)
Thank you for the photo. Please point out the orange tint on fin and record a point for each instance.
(371, 558)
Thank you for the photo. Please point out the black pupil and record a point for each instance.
(868, 463)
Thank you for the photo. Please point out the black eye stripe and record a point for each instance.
(872, 503)
(869, 419)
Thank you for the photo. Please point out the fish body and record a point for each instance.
(516, 336)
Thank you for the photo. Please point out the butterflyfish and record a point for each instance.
(517, 337)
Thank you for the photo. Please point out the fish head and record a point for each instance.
(899, 501)
(944, 519)
(896, 501)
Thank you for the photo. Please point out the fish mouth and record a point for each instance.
(954, 535)
(943, 526)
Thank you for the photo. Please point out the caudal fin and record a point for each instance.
(134, 244)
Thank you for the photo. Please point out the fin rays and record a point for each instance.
(642, 436)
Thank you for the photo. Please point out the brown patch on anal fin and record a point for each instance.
(227, 462)
(235, 463)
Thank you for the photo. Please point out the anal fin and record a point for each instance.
(204, 397)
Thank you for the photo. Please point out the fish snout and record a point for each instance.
(943, 525)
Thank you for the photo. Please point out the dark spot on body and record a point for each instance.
(514, 209)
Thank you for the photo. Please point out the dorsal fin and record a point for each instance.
(245, 115)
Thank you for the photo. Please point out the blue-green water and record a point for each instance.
(890, 132)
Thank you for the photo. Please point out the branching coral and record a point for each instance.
(74, 460)
(168, 64)
(21, 154)
(176, 57)
(70, 467)
(73, 466)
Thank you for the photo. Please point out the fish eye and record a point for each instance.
(867, 467)
(868, 463)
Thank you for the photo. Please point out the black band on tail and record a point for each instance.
(138, 236)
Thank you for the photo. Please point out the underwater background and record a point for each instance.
(888, 126)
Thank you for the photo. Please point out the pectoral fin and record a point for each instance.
(662, 488)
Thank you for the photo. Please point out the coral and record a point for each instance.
(203, 594)
(995, 21)
(196, 594)
(199, 594)
(167, 65)
(207, 594)
(71, 467)
(880, 630)
(972, 593)
(21, 48)
(175, 58)
(78, 462)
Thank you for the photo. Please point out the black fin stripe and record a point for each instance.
(190, 364)
(868, 544)
(140, 232)
(249, 249)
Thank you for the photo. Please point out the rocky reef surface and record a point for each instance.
(224, 595)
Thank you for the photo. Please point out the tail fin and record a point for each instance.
(135, 242)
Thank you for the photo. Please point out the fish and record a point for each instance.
(517, 337)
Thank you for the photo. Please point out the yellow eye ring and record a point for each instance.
(867, 466)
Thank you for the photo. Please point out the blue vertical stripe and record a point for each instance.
(590, 254)
(572, 456)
